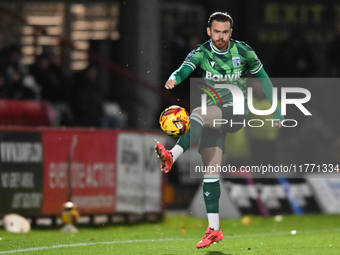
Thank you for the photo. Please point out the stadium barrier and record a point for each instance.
(291, 196)
(26, 112)
(327, 193)
(274, 196)
(111, 171)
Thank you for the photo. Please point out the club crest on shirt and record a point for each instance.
(190, 55)
(236, 61)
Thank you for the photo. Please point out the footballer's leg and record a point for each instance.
(198, 121)
(212, 146)
(211, 156)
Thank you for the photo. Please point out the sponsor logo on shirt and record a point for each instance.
(220, 77)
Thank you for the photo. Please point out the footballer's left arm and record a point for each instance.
(267, 88)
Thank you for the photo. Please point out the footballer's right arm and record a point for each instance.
(178, 76)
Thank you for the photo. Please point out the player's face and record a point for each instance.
(220, 33)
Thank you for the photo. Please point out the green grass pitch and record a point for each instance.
(178, 234)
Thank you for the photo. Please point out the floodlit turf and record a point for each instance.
(178, 234)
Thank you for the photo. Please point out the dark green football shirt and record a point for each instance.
(225, 67)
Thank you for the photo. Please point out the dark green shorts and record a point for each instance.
(216, 137)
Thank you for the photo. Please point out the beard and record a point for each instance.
(220, 44)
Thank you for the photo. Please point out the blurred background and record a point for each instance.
(129, 48)
(103, 64)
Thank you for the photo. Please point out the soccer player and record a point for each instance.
(219, 60)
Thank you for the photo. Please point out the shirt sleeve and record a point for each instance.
(267, 88)
(253, 62)
(181, 73)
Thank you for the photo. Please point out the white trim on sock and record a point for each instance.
(211, 178)
(198, 118)
(214, 220)
(176, 152)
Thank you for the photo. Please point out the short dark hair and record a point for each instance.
(220, 17)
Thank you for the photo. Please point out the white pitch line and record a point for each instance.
(158, 240)
(87, 244)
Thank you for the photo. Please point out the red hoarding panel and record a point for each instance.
(26, 112)
(91, 158)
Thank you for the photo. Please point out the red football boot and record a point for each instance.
(165, 157)
(211, 236)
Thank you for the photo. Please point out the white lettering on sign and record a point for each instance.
(15, 180)
(83, 175)
(95, 201)
(26, 200)
(21, 152)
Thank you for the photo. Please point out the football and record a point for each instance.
(174, 121)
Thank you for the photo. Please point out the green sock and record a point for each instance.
(193, 134)
(211, 194)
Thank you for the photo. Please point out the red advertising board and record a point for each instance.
(91, 157)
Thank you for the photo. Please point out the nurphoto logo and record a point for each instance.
(238, 104)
